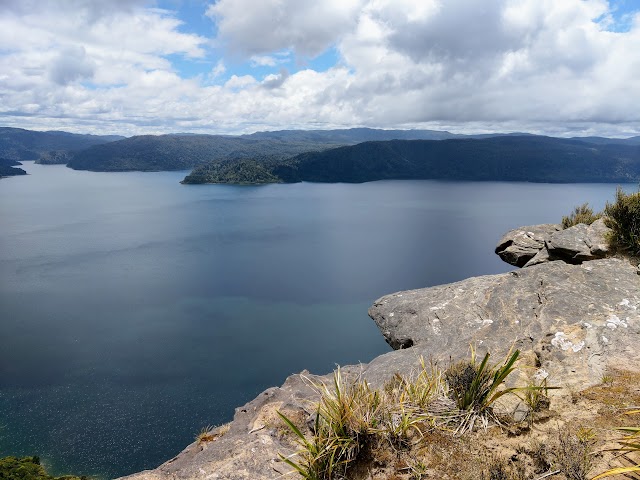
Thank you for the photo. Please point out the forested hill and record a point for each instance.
(19, 144)
(505, 158)
(180, 152)
(333, 155)
(8, 169)
(351, 136)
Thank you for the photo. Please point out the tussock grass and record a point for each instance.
(574, 453)
(476, 387)
(354, 422)
(210, 433)
(623, 218)
(581, 214)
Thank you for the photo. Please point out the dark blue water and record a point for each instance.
(134, 310)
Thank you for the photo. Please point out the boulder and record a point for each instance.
(577, 320)
(579, 243)
(597, 238)
(520, 245)
(536, 244)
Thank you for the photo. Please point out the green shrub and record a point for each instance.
(27, 468)
(581, 214)
(475, 387)
(623, 218)
(351, 417)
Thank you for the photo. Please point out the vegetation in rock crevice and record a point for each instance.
(355, 424)
(350, 439)
(581, 214)
(623, 218)
(629, 453)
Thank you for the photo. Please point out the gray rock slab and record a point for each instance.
(578, 320)
(520, 245)
(579, 243)
(543, 256)
(597, 238)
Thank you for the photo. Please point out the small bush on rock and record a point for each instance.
(623, 218)
(475, 387)
(581, 214)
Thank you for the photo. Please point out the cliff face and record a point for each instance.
(576, 321)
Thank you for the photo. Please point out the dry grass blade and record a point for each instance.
(628, 445)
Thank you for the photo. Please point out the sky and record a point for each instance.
(129, 67)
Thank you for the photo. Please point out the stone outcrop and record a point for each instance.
(578, 320)
(575, 319)
(536, 244)
(520, 245)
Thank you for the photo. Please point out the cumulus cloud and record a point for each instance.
(72, 64)
(500, 65)
(272, 81)
(308, 28)
(217, 70)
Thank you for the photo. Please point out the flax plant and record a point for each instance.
(475, 387)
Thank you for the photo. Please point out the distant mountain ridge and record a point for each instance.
(352, 136)
(184, 151)
(342, 155)
(20, 144)
(502, 158)
(181, 152)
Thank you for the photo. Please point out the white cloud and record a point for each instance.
(72, 64)
(258, 28)
(500, 65)
(272, 81)
(263, 61)
(218, 70)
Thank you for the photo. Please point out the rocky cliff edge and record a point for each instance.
(572, 312)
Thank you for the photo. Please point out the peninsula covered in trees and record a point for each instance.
(504, 158)
(351, 155)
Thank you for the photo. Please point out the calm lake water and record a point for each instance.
(134, 311)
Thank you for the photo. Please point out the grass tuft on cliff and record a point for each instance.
(623, 218)
(355, 423)
(581, 214)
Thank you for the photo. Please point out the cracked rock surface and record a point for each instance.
(518, 246)
(578, 320)
(536, 244)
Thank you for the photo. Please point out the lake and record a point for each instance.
(135, 311)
